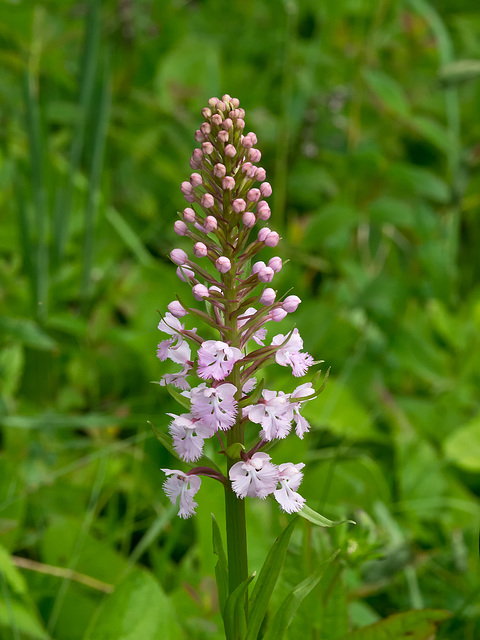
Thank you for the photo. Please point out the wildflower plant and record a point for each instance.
(218, 383)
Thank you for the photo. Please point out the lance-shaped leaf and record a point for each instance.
(318, 519)
(267, 580)
(234, 612)
(419, 624)
(221, 568)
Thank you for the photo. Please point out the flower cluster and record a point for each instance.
(226, 196)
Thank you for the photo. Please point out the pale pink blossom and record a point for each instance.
(230, 150)
(274, 413)
(217, 119)
(239, 205)
(219, 170)
(185, 273)
(178, 256)
(207, 148)
(200, 292)
(289, 477)
(175, 348)
(303, 393)
(253, 195)
(266, 274)
(254, 155)
(290, 304)
(189, 214)
(289, 353)
(275, 264)
(186, 188)
(183, 486)
(256, 477)
(200, 249)
(266, 189)
(216, 407)
(178, 379)
(223, 264)
(259, 335)
(210, 224)
(188, 435)
(176, 309)
(223, 135)
(248, 219)
(268, 296)
(272, 239)
(207, 201)
(196, 180)
(277, 314)
(216, 359)
(180, 228)
(228, 183)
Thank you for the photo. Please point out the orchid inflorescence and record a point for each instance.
(224, 206)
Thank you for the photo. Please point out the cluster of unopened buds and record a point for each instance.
(218, 382)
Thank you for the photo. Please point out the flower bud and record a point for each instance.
(221, 106)
(223, 264)
(207, 148)
(260, 174)
(200, 250)
(290, 304)
(239, 205)
(214, 289)
(210, 224)
(207, 201)
(235, 103)
(247, 142)
(217, 120)
(219, 170)
(246, 166)
(230, 151)
(268, 296)
(277, 314)
(226, 98)
(266, 189)
(189, 214)
(254, 155)
(200, 292)
(180, 228)
(206, 113)
(262, 234)
(198, 136)
(186, 188)
(190, 198)
(212, 103)
(196, 180)
(253, 195)
(275, 264)
(176, 309)
(240, 124)
(263, 210)
(223, 136)
(257, 266)
(272, 239)
(248, 219)
(205, 129)
(228, 183)
(178, 256)
(266, 275)
(227, 124)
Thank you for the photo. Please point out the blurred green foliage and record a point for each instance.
(367, 119)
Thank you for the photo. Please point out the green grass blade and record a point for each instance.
(89, 63)
(234, 613)
(267, 580)
(221, 568)
(36, 153)
(94, 182)
(25, 238)
(128, 235)
(316, 518)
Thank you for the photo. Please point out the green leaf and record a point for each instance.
(12, 575)
(267, 580)
(287, 610)
(138, 608)
(463, 446)
(315, 518)
(17, 617)
(388, 90)
(27, 332)
(459, 72)
(234, 613)
(221, 568)
(411, 625)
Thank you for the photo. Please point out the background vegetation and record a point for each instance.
(367, 118)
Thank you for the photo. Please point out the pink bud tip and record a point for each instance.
(176, 309)
(272, 239)
(240, 124)
(180, 228)
(221, 106)
(212, 103)
(207, 148)
(263, 233)
(252, 136)
(290, 304)
(254, 195)
(190, 198)
(257, 266)
(230, 151)
(223, 264)
(206, 112)
(205, 129)
(185, 273)
(241, 112)
(251, 171)
(219, 170)
(199, 137)
(196, 180)
(186, 188)
(194, 164)
(266, 275)
(226, 98)
(263, 210)
(277, 314)
(268, 296)
(248, 219)
(275, 264)
(210, 224)
(247, 142)
(215, 290)
(239, 205)
(266, 189)
(200, 292)
(260, 174)
(223, 136)
(197, 155)
(228, 183)
(235, 103)
(200, 250)
(178, 256)
(207, 200)
(189, 214)
(254, 155)
(217, 120)
(227, 124)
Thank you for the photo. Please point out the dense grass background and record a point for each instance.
(367, 119)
